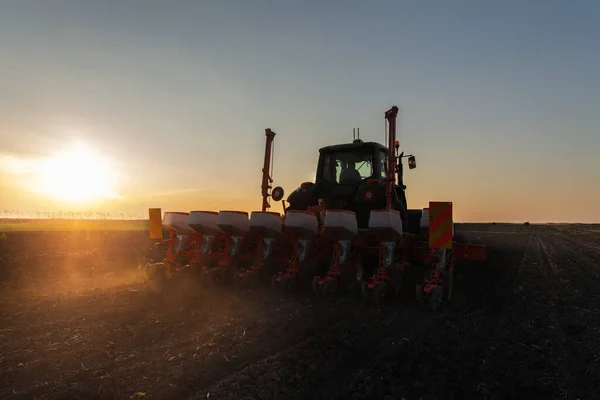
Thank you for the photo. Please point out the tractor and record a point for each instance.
(365, 234)
(349, 229)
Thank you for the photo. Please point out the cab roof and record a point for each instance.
(352, 146)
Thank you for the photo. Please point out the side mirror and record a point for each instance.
(412, 162)
(277, 193)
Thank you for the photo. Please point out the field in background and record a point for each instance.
(69, 225)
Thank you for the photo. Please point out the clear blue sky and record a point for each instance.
(500, 101)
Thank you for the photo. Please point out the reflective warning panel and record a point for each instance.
(155, 216)
(440, 224)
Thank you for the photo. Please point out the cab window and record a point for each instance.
(383, 163)
(348, 167)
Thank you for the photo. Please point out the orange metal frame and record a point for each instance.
(267, 179)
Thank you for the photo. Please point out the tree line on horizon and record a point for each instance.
(10, 214)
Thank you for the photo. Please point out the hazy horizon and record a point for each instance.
(168, 102)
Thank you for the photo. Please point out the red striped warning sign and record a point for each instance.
(155, 216)
(440, 224)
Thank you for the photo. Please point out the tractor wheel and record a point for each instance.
(380, 293)
(435, 298)
(448, 278)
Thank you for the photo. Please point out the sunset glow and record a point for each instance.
(77, 174)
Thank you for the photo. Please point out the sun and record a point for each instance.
(77, 175)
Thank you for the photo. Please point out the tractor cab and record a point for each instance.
(350, 176)
(352, 163)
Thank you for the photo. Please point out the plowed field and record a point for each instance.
(77, 323)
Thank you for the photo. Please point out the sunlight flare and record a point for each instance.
(77, 174)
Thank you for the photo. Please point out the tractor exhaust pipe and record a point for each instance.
(267, 180)
(390, 116)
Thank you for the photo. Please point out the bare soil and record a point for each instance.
(77, 322)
